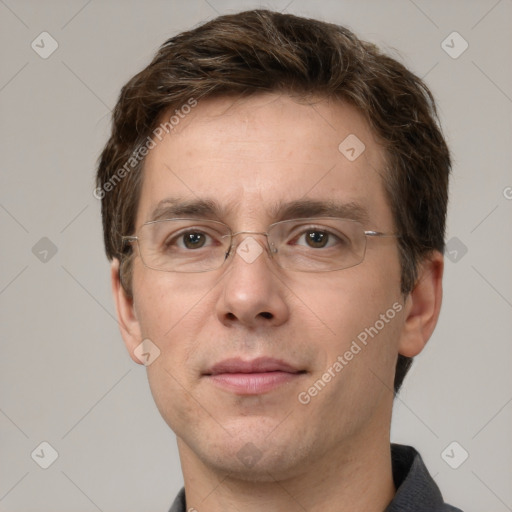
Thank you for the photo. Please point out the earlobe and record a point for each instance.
(126, 315)
(422, 306)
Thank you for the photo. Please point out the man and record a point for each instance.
(274, 197)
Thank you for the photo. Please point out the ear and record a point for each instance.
(422, 306)
(126, 316)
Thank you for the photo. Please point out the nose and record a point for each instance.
(251, 295)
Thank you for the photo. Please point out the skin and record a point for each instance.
(332, 454)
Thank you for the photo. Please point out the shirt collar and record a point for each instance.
(415, 488)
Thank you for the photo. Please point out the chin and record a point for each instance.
(269, 467)
(257, 458)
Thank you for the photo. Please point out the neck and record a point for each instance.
(356, 477)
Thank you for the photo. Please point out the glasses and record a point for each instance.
(319, 244)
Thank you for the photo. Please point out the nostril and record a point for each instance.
(265, 314)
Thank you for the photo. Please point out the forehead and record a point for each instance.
(250, 157)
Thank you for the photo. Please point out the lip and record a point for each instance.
(252, 377)
(259, 365)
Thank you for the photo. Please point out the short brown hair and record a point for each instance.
(264, 51)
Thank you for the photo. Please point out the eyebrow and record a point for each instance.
(207, 208)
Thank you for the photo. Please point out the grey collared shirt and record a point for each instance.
(416, 491)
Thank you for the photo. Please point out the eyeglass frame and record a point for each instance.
(270, 251)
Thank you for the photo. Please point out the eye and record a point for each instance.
(191, 239)
(317, 238)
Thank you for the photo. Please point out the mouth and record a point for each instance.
(252, 377)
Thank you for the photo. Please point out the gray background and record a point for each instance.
(65, 375)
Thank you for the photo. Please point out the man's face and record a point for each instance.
(249, 156)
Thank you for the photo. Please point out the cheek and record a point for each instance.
(166, 302)
(175, 400)
(363, 312)
(359, 314)
(350, 300)
(171, 311)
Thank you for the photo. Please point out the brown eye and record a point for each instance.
(317, 239)
(194, 240)
(188, 240)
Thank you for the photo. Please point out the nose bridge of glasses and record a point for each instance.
(267, 246)
(249, 232)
